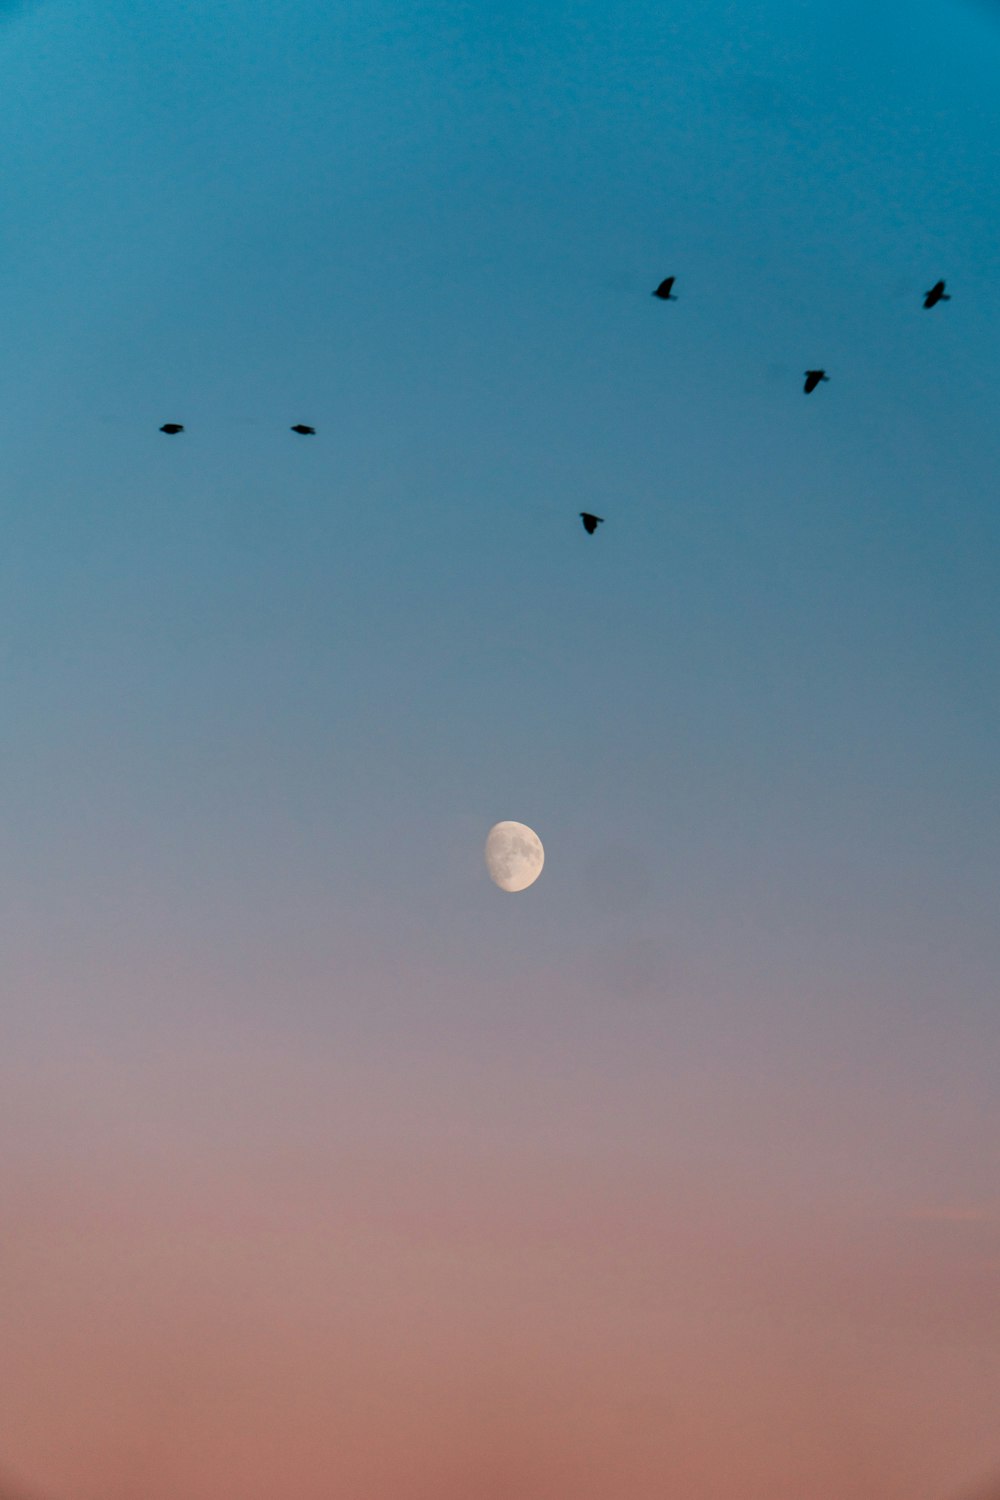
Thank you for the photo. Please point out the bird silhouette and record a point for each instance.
(172, 427)
(665, 290)
(304, 430)
(936, 294)
(813, 378)
(590, 523)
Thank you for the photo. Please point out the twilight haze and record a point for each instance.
(326, 1169)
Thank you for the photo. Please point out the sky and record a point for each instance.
(327, 1168)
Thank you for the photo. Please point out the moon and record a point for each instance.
(514, 856)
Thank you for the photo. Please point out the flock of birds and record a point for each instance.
(665, 292)
(173, 428)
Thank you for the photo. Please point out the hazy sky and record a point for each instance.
(326, 1167)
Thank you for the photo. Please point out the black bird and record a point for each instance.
(813, 378)
(590, 523)
(665, 290)
(936, 294)
(304, 430)
(171, 428)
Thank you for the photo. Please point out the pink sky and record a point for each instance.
(453, 1276)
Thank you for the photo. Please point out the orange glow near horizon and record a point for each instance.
(236, 1277)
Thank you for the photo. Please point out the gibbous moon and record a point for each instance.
(514, 856)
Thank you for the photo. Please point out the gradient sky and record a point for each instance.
(327, 1168)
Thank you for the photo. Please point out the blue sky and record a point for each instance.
(432, 233)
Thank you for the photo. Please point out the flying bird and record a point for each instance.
(936, 294)
(304, 430)
(665, 290)
(172, 427)
(590, 523)
(813, 378)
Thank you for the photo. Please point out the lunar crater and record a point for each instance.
(514, 856)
